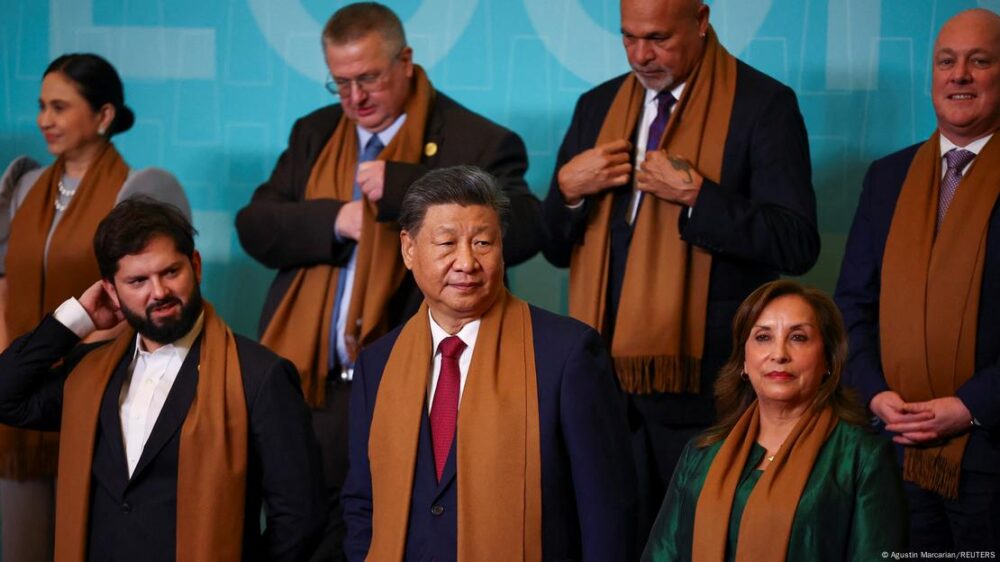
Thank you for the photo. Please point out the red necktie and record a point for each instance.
(444, 410)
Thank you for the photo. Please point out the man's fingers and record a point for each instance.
(918, 437)
(615, 146)
(910, 426)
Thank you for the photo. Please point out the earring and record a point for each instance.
(101, 131)
(827, 374)
(744, 376)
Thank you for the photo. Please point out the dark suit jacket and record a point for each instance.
(136, 518)
(587, 476)
(858, 298)
(758, 221)
(282, 230)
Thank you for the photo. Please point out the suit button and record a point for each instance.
(126, 508)
(437, 510)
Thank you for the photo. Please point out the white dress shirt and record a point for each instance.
(467, 334)
(347, 276)
(974, 147)
(649, 110)
(151, 375)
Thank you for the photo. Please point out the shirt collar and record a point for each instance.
(180, 346)
(385, 135)
(676, 91)
(467, 334)
(974, 147)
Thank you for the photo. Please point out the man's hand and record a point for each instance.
(669, 177)
(100, 307)
(944, 417)
(348, 223)
(371, 179)
(595, 170)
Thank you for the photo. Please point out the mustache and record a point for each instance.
(162, 303)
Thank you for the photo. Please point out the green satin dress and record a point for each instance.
(852, 507)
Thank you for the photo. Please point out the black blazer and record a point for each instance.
(136, 518)
(282, 230)
(858, 292)
(588, 494)
(759, 221)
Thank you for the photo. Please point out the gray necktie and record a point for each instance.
(957, 160)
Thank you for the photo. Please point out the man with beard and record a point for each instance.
(680, 187)
(175, 433)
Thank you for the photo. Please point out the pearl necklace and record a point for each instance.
(68, 193)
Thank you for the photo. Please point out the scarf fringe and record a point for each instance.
(659, 373)
(931, 471)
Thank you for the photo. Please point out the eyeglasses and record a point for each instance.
(369, 82)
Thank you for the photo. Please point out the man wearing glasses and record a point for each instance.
(327, 217)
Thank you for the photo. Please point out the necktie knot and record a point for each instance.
(372, 148)
(451, 347)
(664, 101)
(958, 159)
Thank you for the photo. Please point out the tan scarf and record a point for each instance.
(930, 297)
(212, 463)
(766, 524)
(300, 328)
(666, 280)
(498, 471)
(72, 266)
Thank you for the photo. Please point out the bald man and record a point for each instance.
(667, 224)
(920, 293)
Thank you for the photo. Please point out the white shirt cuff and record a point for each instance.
(72, 315)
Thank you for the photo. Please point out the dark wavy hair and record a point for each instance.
(98, 82)
(733, 395)
(132, 224)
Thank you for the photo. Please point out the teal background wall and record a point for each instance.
(217, 84)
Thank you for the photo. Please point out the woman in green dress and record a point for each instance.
(790, 471)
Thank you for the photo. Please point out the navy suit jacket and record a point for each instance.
(858, 298)
(135, 518)
(759, 220)
(588, 499)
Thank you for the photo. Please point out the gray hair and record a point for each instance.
(459, 185)
(354, 21)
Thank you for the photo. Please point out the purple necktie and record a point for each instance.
(957, 160)
(444, 410)
(664, 101)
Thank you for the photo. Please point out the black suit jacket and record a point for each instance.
(588, 494)
(136, 518)
(758, 221)
(282, 230)
(857, 295)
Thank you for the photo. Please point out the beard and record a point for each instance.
(167, 330)
(656, 84)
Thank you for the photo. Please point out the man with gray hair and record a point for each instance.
(680, 187)
(484, 428)
(327, 217)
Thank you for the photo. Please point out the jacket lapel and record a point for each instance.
(175, 408)
(110, 420)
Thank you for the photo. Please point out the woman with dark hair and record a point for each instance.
(789, 472)
(48, 217)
